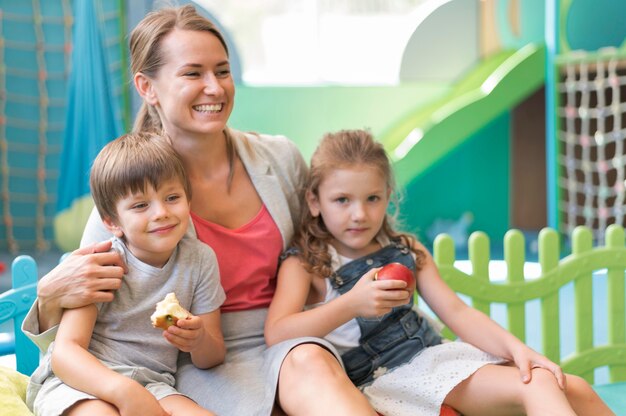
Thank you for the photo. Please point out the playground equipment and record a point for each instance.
(35, 50)
(467, 138)
(591, 133)
(587, 356)
(516, 290)
(14, 304)
(586, 115)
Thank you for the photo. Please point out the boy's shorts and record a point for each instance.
(52, 397)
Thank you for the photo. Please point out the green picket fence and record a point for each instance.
(556, 271)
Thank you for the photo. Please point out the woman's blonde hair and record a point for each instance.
(146, 55)
(340, 150)
(131, 163)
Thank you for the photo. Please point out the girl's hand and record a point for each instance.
(372, 298)
(136, 400)
(187, 334)
(527, 359)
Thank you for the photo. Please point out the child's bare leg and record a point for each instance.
(501, 392)
(584, 399)
(312, 365)
(92, 407)
(179, 405)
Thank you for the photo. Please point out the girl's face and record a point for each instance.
(152, 222)
(193, 91)
(353, 203)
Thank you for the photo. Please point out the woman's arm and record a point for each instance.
(286, 318)
(474, 327)
(201, 336)
(86, 276)
(78, 368)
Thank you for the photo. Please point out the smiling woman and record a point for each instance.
(194, 87)
(244, 186)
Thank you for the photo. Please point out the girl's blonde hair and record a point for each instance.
(343, 149)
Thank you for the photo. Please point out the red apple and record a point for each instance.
(397, 271)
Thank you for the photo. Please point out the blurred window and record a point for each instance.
(313, 42)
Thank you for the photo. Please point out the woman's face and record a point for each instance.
(193, 91)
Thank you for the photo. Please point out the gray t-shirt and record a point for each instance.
(123, 333)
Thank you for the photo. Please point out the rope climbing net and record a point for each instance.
(591, 132)
(26, 143)
(35, 61)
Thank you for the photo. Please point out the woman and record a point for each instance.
(244, 204)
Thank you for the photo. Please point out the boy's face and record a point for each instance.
(152, 222)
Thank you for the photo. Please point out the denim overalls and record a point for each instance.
(389, 341)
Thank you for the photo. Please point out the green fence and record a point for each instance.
(556, 271)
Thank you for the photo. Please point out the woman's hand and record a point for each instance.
(88, 275)
(372, 298)
(527, 359)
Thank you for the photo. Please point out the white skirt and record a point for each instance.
(419, 387)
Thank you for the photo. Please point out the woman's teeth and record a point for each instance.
(208, 108)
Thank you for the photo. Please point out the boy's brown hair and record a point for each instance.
(128, 165)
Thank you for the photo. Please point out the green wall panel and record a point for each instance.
(473, 178)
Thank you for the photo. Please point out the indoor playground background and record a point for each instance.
(498, 115)
(463, 109)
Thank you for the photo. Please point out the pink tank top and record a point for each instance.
(247, 259)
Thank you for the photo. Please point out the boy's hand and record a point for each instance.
(187, 334)
(372, 298)
(136, 400)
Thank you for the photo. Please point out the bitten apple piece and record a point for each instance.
(168, 312)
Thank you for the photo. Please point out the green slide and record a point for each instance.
(494, 86)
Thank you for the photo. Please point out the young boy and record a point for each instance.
(107, 358)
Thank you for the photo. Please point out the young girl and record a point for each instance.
(326, 288)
